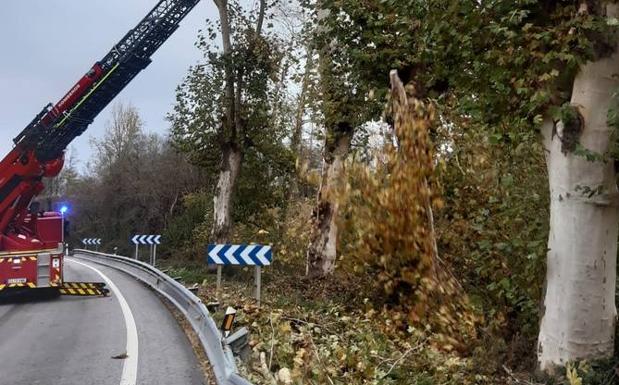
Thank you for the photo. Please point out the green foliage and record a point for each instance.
(494, 227)
(567, 114)
(495, 69)
(132, 187)
(198, 124)
(179, 234)
(499, 63)
(188, 272)
(599, 372)
(232, 102)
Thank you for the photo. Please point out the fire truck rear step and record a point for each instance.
(84, 289)
(17, 285)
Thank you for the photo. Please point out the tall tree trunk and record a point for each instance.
(232, 150)
(338, 114)
(322, 250)
(229, 121)
(580, 313)
(230, 167)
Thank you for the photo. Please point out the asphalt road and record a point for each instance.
(71, 340)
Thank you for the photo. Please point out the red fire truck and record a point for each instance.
(31, 240)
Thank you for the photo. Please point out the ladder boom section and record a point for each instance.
(50, 135)
(39, 148)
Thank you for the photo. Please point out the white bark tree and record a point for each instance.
(232, 150)
(228, 174)
(224, 116)
(580, 314)
(322, 250)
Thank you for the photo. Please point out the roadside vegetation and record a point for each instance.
(416, 166)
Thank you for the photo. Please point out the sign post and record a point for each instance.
(136, 242)
(240, 255)
(219, 270)
(154, 254)
(258, 278)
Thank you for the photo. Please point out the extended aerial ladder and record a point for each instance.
(31, 249)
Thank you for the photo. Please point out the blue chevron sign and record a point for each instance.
(244, 255)
(146, 240)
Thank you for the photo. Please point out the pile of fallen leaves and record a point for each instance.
(328, 333)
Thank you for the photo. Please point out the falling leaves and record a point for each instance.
(392, 211)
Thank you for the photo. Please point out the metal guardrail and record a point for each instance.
(219, 354)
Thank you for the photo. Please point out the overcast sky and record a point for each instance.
(47, 45)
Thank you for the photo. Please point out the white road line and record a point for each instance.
(130, 364)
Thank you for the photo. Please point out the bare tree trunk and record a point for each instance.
(230, 167)
(229, 120)
(231, 154)
(322, 250)
(580, 314)
(261, 12)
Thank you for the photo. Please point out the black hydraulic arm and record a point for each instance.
(50, 137)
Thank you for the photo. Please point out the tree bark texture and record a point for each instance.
(580, 314)
(322, 250)
(230, 167)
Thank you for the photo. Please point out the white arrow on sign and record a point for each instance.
(230, 255)
(245, 254)
(261, 256)
(214, 254)
(136, 240)
(158, 239)
(143, 239)
(149, 239)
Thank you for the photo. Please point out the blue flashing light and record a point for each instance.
(64, 209)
